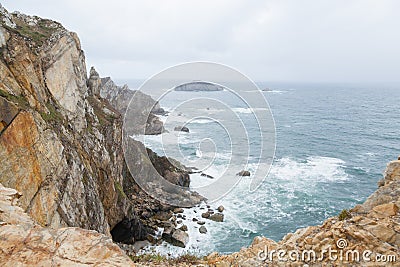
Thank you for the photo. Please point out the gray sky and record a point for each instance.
(277, 40)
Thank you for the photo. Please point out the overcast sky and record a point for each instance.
(277, 40)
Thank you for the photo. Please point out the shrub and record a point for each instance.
(344, 214)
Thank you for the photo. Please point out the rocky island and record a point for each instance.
(67, 198)
(197, 86)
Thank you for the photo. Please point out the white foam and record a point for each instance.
(198, 243)
(314, 169)
(275, 92)
(243, 110)
(201, 121)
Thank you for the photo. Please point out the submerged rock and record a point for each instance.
(206, 175)
(181, 129)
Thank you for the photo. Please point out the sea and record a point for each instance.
(333, 142)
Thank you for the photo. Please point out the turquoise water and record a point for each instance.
(333, 143)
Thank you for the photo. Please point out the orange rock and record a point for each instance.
(389, 209)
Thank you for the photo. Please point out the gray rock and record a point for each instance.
(184, 228)
(179, 238)
(138, 245)
(202, 229)
(220, 208)
(243, 173)
(205, 215)
(217, 217)
(181, 129)
(178, 210)
(206, 175)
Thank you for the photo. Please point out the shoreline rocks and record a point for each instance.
(176, 237)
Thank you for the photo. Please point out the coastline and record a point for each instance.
(67, 185)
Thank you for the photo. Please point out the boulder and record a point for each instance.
(167, 233)
(206, 175)
(181, 129)
(205, 215)
(178, 210)
(184, 228)
(243, 173)
(154, 125)
(176, 237)
(179, 238)
(202, 229)
(217, 217)
(163, 216)
(220, 208)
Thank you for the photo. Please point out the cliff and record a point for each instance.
(67, 188)
(120, 96)
(25, 243)
(61, 141)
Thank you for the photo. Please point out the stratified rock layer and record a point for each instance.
(61, 141)
(143, 105)
(25, 243)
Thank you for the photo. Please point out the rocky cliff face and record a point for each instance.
(372, 228)
(60, 141)
(120, 96)
(60, 144)
(25, 243)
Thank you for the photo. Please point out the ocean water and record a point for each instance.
(333, 142)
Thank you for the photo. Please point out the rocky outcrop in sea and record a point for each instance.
(199, 86)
